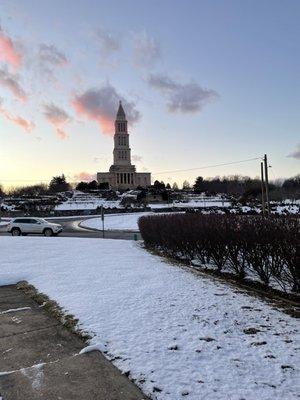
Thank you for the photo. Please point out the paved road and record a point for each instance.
(71, 228)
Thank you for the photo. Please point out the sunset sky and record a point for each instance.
(202, 83)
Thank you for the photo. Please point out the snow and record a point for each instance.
(12, 310)
(197, 203)
(124, 222)
(93, 347)
(87, 205)
(82, 201)
(287, 209)
(115, 222)
(35, 375)
(168, 328)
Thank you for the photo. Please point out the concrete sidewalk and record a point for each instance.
(39, 358)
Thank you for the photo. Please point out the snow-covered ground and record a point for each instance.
(4, 221)
(176, 334)
(87, 204)
(199, 203)
(116, 221)
(124, 222)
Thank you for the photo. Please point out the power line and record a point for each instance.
(153, 173)
(207, 166)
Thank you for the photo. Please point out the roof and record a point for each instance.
(121, 113)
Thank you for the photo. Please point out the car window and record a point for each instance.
(33, 221)
(22, 221)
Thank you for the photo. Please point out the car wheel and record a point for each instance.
(48, 232)
(15, 232)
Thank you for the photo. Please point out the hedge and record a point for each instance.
(252, 247)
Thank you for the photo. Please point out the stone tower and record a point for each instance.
(122, 174)
(122, 152)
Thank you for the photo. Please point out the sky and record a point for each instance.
(202, 83)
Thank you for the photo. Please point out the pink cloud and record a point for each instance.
(58, 118)
(11, 82)
(100, 105)
(8, 52)
(26, 125)
(84, 176)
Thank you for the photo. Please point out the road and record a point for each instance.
(71, 228)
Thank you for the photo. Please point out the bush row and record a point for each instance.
(252, 247)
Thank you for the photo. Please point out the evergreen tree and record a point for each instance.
(199, 185)
(82, 186)
(59, 184)
(186, 185)
(2, 194)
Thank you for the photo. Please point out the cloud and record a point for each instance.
(146, 50)
(50, 55)
(185, 98)
(58, 118)
(295, 153)
(8, 51)
(136, 158)
(26, 125)
(100, 105)
(11, 82)
(108, 43)
(84, 176)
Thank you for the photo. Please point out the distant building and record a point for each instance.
(122, 174)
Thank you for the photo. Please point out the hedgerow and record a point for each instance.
(254, 247)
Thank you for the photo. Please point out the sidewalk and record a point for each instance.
(40, 361)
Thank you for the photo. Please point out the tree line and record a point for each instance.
(236, 186)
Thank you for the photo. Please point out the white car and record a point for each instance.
(29, 225)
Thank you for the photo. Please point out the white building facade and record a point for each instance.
(122, 174)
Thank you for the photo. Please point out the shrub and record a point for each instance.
(248, 246)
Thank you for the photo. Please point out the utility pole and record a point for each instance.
(262, 189)
(267, 184)
(102, 218)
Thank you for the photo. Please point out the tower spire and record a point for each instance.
(121, 116)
